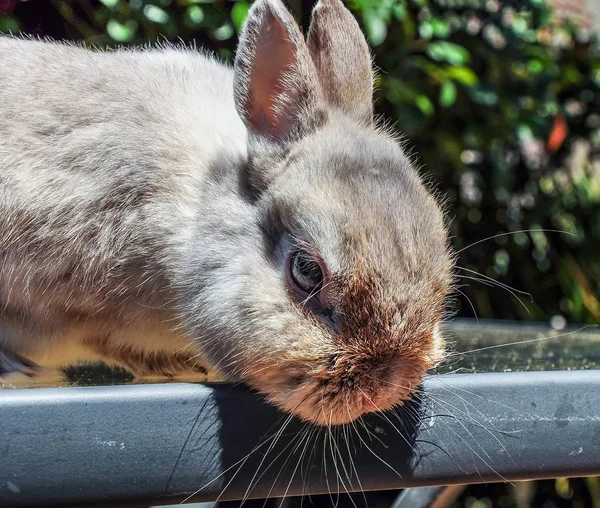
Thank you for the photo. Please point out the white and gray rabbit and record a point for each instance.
(166, 213)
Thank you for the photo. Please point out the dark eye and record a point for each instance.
(306, 272)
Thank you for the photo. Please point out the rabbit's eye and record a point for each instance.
(306, 272)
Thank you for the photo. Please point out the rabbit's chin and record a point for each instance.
(340, 390)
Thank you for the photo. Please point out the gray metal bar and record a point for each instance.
(147, 445)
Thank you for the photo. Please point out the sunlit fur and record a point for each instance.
(148, 200)
(352, 194)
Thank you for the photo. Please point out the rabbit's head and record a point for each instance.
(342, 305)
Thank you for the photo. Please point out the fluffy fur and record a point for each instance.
(148, 200)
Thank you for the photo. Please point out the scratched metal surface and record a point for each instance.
(501, 346)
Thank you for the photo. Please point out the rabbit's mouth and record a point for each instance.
(344, 387)
(329, 403)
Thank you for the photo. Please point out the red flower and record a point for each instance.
(558, 134)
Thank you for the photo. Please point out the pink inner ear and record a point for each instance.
(274, 58)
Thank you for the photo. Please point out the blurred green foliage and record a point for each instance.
(499, 101)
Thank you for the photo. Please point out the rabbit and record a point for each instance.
(166, 213)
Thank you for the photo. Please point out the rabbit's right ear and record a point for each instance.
(275, 82)
(342, 58)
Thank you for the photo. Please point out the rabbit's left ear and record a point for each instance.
(277, 91)
(342, 58)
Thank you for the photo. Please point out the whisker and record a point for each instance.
(303, 473)
(494, 281)
(337, 452)
(377, 456)
(475, 422)
(307, 435)
(499, 404)
(516, 343)
(251, 484)
(498, 284)
(243, 460)
(300, 438)
(325, 435)
(314, 292)
(514, 233)
(470, 303)
(352, 464)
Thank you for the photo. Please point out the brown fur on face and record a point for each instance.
(374, 363)
(386, 301)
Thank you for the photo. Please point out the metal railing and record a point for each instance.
(147, 445)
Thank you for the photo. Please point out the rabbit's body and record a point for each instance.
(161, 212)
(105, 161)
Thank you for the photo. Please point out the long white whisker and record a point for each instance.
(528, 341)
(305, 439)
(251, 484)
(498, 285)
(514, 233)
(494, 281)
(243, 460)
(470, 303)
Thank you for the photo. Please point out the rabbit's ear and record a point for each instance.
(275, 84)
(342, 58)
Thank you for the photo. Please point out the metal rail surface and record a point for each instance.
(145, 445)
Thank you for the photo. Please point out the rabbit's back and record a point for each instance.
(69, 108)
(101, 154)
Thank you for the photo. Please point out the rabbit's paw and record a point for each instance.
(18, 370)
(12, 364)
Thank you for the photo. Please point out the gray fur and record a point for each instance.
(342, 58)
(142, 218)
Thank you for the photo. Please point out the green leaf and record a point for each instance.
(424, 104)
(484, 96)
(524, 132)
(440, 27)
(195, 14)
(425, 30)
(398, 91)
(121, 32)
(399, 11)
(572, 75)
(535, 66)
(443, 51)
(447, 94)
(519, 26)
(463, 75)
(239, 14)
(224, 32)
(376, 28)
(156, 14)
